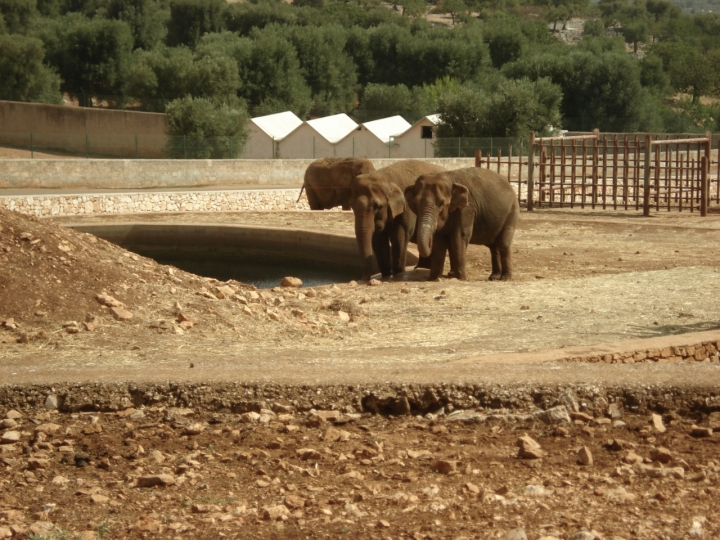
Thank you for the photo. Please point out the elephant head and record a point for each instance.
(434, 199)
(375, 203)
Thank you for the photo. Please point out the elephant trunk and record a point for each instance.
(427, 223)
(364, 229)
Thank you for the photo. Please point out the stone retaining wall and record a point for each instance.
(167, 173)
(706, 351)
(132, 203)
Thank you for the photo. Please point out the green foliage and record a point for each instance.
(381, 101)
(505, 41)
(191, 19)
(458, 9)
(147, 19)
(243, 17)
(158, 76)
(600, 91)
(24, 76)
(92, 56)
(201, 129)
(328, 71)
(593, 28)
(515, 109)
(17, 14)
(690, 69)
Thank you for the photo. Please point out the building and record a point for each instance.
(266, 134)
(418, 140)
(377, 138)
(322, 137)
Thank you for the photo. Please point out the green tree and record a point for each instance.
(202, 129)
(24, 76)
(381, 101)
(690, 69)
(147, 19)
(158, 76)
(327, 70)
(191, 19)
(600, 91)
(17, 14)
(505, 42)
(457, 9)
(92, 56)
(513, 110)
(593, 28)
(215, 78)
(243, 17)
(413, 8)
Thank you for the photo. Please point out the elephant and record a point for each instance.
(327, 181)
(383, 223)
(454, 208)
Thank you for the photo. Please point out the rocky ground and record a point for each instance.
(278, 473)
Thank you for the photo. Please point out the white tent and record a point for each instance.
(266, 133)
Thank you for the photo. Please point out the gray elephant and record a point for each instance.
(327, 181)
(454, 208)
(383, 223)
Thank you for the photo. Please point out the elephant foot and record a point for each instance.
(506, 277)
(495, 277)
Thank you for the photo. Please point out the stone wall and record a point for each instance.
(705, 351)
(179, 201)
(166, 173)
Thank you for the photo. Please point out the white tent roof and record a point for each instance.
(384, 128)
(333, 128)
(278, 125)
(434, 118)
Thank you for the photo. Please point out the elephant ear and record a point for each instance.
(396, 200)
(459, 198)
(410, 197)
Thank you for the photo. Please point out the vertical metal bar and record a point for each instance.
(681, 177)
(185, 146)
(459, 144)
(615, 171)
(707, 150)
(704, 167)
(583, 185)
(551, 193)
(520, 164)
(604, 172)
(87, 146)
(669, 173)
(509, 162)
(572, 173)
(563, 165)
(499, 160)
(32, 147)
(531, 171)
(543, 159)
(657, 178)
(595, 169)
(646, 185)
(636, 173)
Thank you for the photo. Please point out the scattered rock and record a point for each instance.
(615, 411)
(585, 456)
(10, 437)
(661, 455)
(12, 414)
(109, 301)
(308, 453)
(514, 534)
(51, 402)
(194, 429)
(291, 282)
(529, 448)
(657, 423)
(276, 512)
(445, 467)
(121, 314)
(701, 432)
(155, 480)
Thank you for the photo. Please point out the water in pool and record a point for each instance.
(261, 271)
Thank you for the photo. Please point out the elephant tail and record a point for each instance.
(301, 190)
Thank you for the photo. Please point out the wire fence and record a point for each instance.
(131, 146)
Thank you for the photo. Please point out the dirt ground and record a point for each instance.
(327, 474)
(579, 280)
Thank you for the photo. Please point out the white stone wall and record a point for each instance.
(130, 203)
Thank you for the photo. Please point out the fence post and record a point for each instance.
(704, 186)
(32, 147)
(646, 185)
(531, 171)
(137, 154)
(478, 158)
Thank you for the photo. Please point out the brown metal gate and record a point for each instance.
(620, 171)
(617, 171)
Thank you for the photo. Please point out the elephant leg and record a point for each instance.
(313, 200)
(399, 240)
(496, 263)
(437, 256)
(381, 248)
(458, 249)
(503, 247)
(423, 262)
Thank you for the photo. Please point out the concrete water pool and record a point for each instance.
(260, 256)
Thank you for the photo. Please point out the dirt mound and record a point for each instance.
(55, 282)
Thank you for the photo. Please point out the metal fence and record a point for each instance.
(614, 171)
